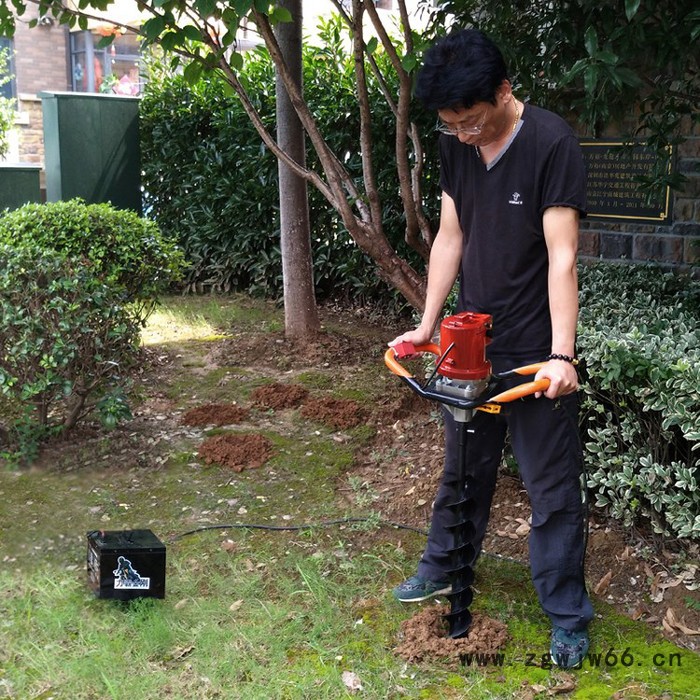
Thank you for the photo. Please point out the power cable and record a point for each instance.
(327, 523)
(298, 528)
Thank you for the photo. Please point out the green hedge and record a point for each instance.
(128, 252)
(211, 183)
(67, 344)
(77, 282)
(640, 338)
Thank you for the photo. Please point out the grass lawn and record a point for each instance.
(257, 613)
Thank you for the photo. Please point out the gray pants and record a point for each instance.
(544, 438)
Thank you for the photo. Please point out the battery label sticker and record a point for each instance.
(126, 577)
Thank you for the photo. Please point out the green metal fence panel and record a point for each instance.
(19, 184)
(91, 148)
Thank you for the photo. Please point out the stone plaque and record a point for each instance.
(614, 193)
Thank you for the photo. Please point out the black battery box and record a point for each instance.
(125, 564)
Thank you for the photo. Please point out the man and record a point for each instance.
(513, 188)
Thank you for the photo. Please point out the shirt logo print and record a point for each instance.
(515, 199)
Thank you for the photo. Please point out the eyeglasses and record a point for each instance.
(454, 131)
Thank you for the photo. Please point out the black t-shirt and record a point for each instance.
(504, 258)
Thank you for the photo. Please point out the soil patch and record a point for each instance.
(278, 396)
(425, 637)
(336, 413)
(214, 414)
(238, 452)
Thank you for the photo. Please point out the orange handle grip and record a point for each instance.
(394, 365)
(397, 368)
(529, 369)
(519, 391)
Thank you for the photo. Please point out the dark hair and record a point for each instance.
(459, 70)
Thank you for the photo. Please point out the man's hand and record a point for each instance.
(562, 376)
(418, 336)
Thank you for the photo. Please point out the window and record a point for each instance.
(113, 70)
(8, 88)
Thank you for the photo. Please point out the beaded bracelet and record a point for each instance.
(565, 358)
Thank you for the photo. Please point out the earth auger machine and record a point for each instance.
(463, 382)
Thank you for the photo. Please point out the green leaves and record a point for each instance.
(631, 8)
(205, 8)
(193, 72)
(280, 14)
(78, 341)
(192, 33)
(105, 41)
(153, 28)
(126, 250)
(590, 41)
(640, 337)
(242, 7)
(409, 62)
(77, 282)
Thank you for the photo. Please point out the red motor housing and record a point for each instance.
(466, 332)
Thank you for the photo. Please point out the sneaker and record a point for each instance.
(568, 648)
(416, 588)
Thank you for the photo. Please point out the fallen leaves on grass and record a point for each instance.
(603, 584)
(352, 681)
(673, 625)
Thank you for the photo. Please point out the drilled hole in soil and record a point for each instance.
(424, 637)
(278, 396)
(214, 414)
(237, 452)
(336, 413)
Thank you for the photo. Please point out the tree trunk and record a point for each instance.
(301, 319)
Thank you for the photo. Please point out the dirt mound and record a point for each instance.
(214, 414)
(277, 396)
(236, 451)
(336, 413)
(425, 637)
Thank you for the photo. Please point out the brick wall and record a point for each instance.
(31, 130)
(41, 56)
(676, 245)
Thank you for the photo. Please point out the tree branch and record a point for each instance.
(418, 231)
(339, 181)
(365, 117)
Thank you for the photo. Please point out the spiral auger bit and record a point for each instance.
(463, 382)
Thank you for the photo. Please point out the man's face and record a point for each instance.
(482, 123)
